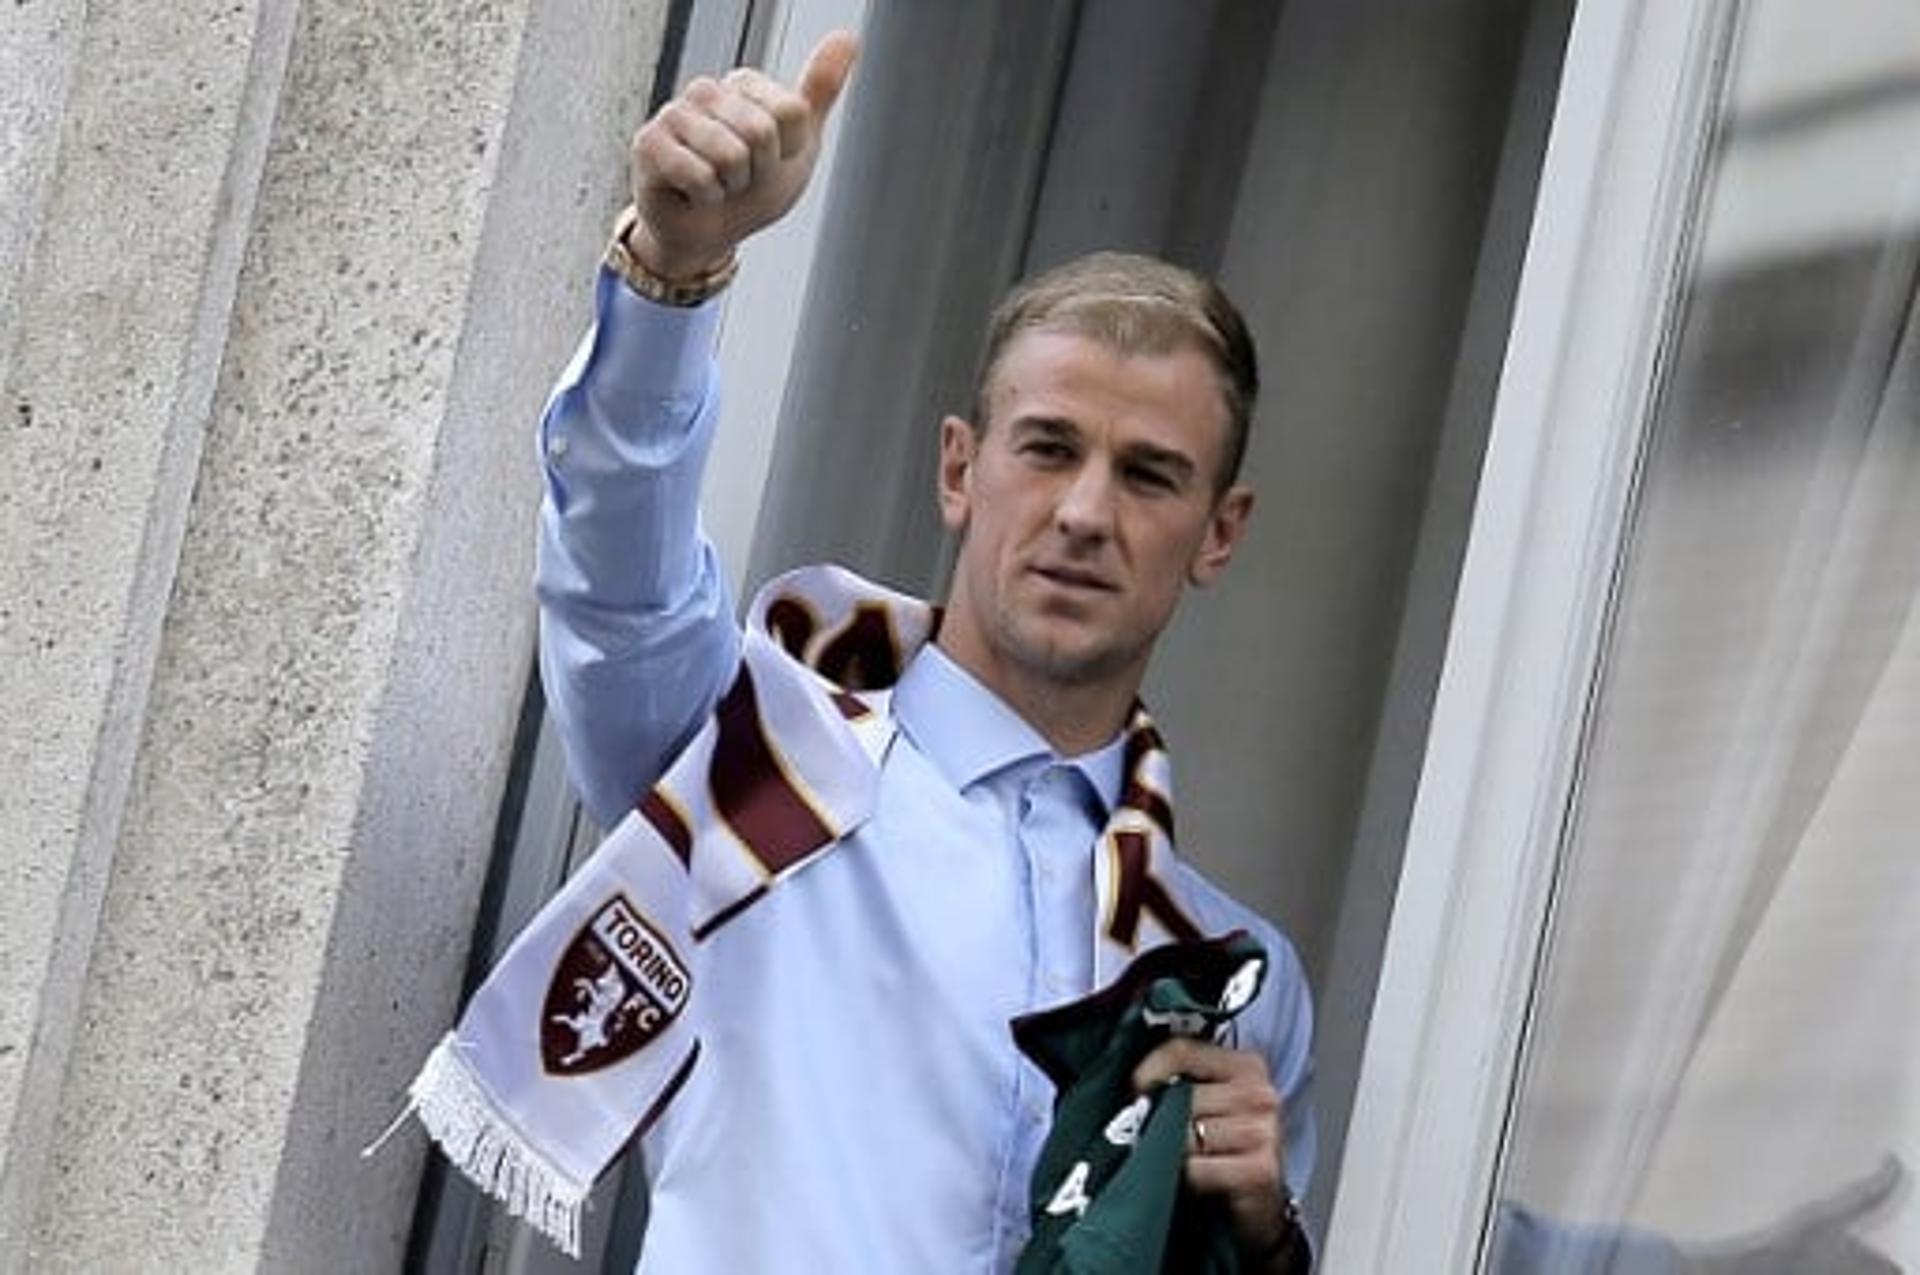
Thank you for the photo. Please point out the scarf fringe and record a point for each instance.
(477, 1137)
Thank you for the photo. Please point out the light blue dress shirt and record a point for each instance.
(859, 1103)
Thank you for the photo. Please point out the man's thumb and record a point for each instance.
(827, 70)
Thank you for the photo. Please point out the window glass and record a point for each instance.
(1723, 1052)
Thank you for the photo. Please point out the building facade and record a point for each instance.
(1562, 706)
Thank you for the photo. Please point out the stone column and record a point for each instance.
(281, 289)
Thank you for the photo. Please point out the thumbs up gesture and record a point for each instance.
(728, 157)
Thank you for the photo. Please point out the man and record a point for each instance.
(858, 1102)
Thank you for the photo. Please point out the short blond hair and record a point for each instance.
(1134, 305)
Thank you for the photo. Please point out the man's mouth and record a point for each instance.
(1075, 578)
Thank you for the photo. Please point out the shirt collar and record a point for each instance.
(969, 733)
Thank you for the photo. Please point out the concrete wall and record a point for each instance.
(281, 288)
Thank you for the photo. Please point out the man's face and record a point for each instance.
(1086, 503)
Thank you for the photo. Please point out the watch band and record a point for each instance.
(673, 292)
(1292, 1252)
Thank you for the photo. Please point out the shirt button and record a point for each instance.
(557, 447)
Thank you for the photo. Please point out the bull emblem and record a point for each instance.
(592, 1025)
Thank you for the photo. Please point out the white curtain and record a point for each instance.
(1728, 1027)
(1726, 1031)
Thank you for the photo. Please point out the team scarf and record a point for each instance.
(582, 1034)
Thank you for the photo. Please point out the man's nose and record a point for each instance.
(1085, 511)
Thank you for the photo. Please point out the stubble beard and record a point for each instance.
(1052, 663)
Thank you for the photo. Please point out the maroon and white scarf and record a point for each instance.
(590, 1023)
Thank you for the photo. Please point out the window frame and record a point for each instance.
(1619, 193)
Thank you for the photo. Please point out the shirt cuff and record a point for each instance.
(647, 352)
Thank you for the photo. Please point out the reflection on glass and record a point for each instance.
(1723, 1064)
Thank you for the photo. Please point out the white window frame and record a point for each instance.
(1618, 196)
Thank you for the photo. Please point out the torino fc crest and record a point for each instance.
(617, 987)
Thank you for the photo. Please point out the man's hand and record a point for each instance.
(1234, 1147)
(1815, 1237)
(728, 157)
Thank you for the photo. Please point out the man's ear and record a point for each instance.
(959, 444)
(1225, 527)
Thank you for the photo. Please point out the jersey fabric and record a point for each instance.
(1107, 1193)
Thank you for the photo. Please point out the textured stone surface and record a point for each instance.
(37, 47)
(311, 671)
(291, 577)
(133, 128)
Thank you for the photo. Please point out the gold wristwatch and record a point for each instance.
(674, 292)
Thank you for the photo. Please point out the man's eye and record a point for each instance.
(1047, 449)
(1148, 477)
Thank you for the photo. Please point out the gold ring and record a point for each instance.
(1200, 1136)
